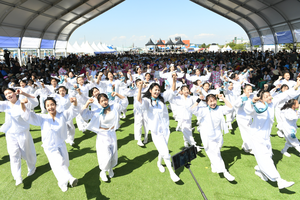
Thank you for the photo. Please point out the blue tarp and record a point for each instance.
(256, 41)
(9, 42)
(47, 44)
(284, 37)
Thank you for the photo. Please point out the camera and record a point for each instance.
(184, 157)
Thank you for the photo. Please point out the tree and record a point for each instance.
(203, 45)
(239, 47)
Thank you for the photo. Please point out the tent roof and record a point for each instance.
(179, 42)
(160, 42)
(264, 21)
(49, 19)
(150, 43)
(170, 42)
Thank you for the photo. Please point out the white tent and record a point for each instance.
(77, 48)
(106, 48)
(96, 49)
(86, 48)
(214, 47)
(70, 48)
(102, 50)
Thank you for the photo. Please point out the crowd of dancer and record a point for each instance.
(250, 87)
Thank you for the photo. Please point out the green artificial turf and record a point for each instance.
(137, 176)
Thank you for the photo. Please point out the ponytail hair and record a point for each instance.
(288, 104)
(261, 93)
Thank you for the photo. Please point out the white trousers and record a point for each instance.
(186, 128)
(70, 131)
(230, 117)
(106, 146)
(262, 150)
(160, 141)
(81, 124)
(139, 122)
(20, 147)
(245, 131)
(213, 151)
(42, 105)
(59, 162)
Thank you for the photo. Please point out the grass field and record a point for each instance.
(137, 176)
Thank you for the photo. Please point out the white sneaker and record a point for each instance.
(103, 176)
(198, 148)
(161, 168)
(19, 181)
(31, 172)
(73, 181)
(286, 154)
(174, 177)
(177, 128)
(146, 140)
(280, 134)
(261, 175)
(140, 143)
(283, 183)
(186, 144)
(64, 187)
(229, 126)
(111, 173)
(228, 176)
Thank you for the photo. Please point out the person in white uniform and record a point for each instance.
(104, 122)
(18, 138)
(261, 109)
(54, 133)
(289, 117)
(242, 118)
(212, 122)
(184, 103)
(153, 103)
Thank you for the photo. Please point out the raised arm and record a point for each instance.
(139, 95)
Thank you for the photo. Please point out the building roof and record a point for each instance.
(170, 42)
(150, 43)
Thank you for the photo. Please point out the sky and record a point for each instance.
(136, 21)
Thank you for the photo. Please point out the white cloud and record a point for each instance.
(204, 35)
(114, 38)
(178, 35)
(122, 37)
(143, 37)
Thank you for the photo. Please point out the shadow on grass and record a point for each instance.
(127, 122)
(125, 140)
(78, 153)
(85, 136)
(2, 135)
(234, 128)
(137, 162)
(4, 160)
(36, 140)
(277, 156)
(40, 170)
(230, 155)
(91, 182)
